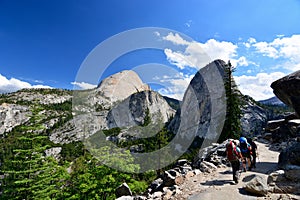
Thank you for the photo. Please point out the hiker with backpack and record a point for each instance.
(246, 151)
(254, 152)
(234, 155)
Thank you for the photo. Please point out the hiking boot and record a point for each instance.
(245, 170)
(250, 168)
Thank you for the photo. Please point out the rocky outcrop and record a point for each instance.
(121, 85)
(283, 130)
(203, 108)
(282, 181)
(80, 127)
(287, 89)
(254, 118)
(290, 156)
(138, 109)
(12, 115)
(42, 96)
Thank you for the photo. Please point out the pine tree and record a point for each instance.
(29, 174)
(232, 126)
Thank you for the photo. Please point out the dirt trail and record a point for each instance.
(219, 185)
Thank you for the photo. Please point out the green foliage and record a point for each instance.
(72, 150)
(65, 106)
(92, 180)
(112, 132)
(28, 174)
(147, 118)
(232, 126)
(174, 103)
(31, 175)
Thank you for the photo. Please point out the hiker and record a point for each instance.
(234, 155)
(245, 148)
(254, 152)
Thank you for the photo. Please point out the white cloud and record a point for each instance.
(13, 84)
(197, 54)
(83, 85)
(287, 48)
(250, 42)
(258, 86)
(266, 49)
(242, 61)
(220, 50)
(176, 85)
(176, 39)
(177, 58)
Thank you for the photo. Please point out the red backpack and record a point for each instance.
(231, 152)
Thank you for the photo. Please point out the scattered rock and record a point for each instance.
(207, 167)
(277, 176)
(54, 152)
(125, 198)
(171, 178)
(123, 190)
(257, 186)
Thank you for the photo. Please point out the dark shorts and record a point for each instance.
(246, 154)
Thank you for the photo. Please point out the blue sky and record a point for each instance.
(44, 43)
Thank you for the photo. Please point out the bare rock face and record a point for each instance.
(203, 108)
(12, 115)
(254, 118)
(121, 85)
(290, 156)
(134, 110)
(287, 89)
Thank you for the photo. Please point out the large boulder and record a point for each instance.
(257, 185)
(287, 89)
(290, 156)
(123, 190)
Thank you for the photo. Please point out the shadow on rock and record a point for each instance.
(248, 178)
(226, 172)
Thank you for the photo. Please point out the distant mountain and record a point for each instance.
(272, 101)
(174, 103)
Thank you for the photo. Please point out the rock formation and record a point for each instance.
(12, 115)
(254, 118)
(287, 89)
(121, 85)
(133, 110)
(203, 108)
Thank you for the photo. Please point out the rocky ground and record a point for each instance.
(219, 184)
